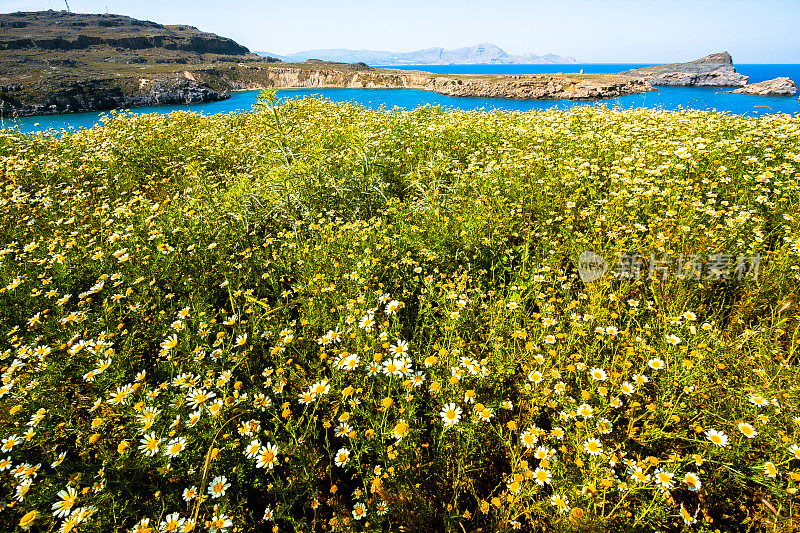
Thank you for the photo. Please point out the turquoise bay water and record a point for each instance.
(671, 98)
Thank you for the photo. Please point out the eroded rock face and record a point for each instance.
(551, 87)
(101, 95)
(720, 77)
(775, 87)
(713, 70)
(172, 91)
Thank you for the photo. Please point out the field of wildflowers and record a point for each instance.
(317, 317)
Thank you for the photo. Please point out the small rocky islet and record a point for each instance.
(713, 70)
(781, 86)
(61, 62)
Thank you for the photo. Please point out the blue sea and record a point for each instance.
(671, 98)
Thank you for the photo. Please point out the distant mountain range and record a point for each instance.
(484, 53)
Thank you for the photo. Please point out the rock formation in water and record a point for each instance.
(714, 70)
(775, 87)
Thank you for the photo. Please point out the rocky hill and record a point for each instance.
(57, 62)
(713, 70)
(61, 30)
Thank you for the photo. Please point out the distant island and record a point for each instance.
(481, 54)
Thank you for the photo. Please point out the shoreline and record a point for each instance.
(342, 86)
(25, 122)
(209, 82)
(191, 89)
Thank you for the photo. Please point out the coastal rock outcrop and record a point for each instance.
(518, 87)
(775, 87)
(104, 94)
(713, 70)
(558, 87)
(172, 91)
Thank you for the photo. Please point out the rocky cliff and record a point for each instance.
(560, 87)
(99, 95)
(714, 70)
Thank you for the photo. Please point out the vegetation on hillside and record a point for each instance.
(59, 58)
(317, 317)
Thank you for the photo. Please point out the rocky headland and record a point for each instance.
(60, 62)
(714, 70)
(103, 94)
(536, 86)
(775, 87)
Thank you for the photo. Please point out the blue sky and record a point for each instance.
(754, 31)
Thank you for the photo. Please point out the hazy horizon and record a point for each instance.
(601, 31)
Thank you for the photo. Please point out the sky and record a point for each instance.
(593, 31)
